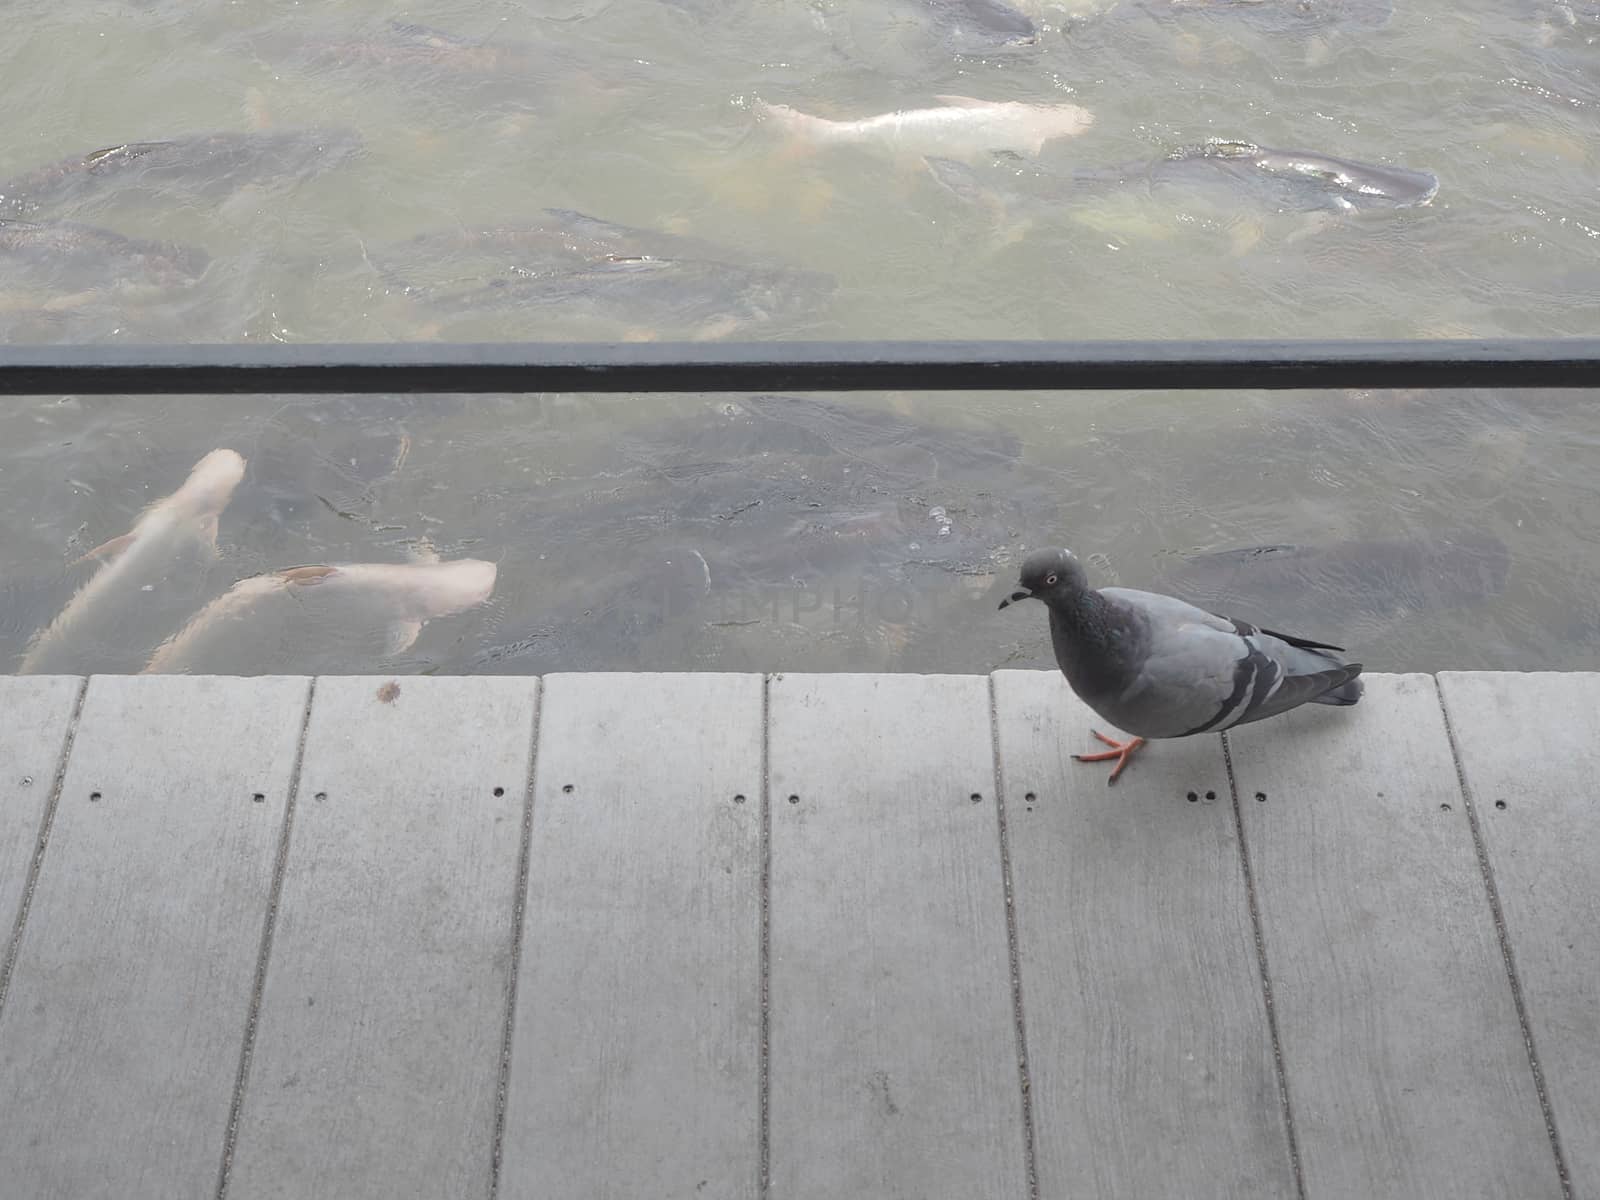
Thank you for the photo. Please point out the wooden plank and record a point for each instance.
(1530, 749)
(120, 1041)
(636, 1063)
(377, 1058)
(38, 709)
(1406, 1067)
(1149, 1054)
(893, 1051)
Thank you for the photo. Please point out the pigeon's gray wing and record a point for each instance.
(1205, 673)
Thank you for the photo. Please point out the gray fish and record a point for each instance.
(1158, 667)
(208, 166)
(1277, 180)
(635, 277)
(426, 56)
(1374, 580)
(754, 519)
(884, 443)
(1283, 16)
(66, 256)
(979, 27)
(402, 44)
(1299, 179)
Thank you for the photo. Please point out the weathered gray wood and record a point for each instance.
(377, 1057)
(120, 1040)
(1149, 1053)
(636, 1062)
(1407, 1073)
(1532, 743)
(34, 713)
(893, 1053)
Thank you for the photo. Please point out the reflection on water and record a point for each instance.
(1422, 530)
(600, 169)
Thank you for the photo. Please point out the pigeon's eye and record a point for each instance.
(1050, 580)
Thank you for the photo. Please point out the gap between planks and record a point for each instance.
(1504, 937)
(1259, 935)
(36, 863)
(1013, 954)
(519, 916)
(264, 952)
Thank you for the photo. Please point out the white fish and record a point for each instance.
(398, 597)
(961, 126)
(168, 534)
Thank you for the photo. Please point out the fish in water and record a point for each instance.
(429, 58)
(751, 532)
(270, 622)
(978, 27)
(66, 256)
(1158, 667)
(1282, 16)
(402, 45)
(1378, 581)
(960, 127)
(209, 166)
(636, 278)
(1276, 180)
(168, 535)
(1299, 179)
(1570, 24)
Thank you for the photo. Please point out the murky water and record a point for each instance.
(864, 532)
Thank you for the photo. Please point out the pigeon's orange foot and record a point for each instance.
(1121, 751)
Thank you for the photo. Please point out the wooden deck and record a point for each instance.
(838, 937)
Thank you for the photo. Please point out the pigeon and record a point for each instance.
(1159, 667)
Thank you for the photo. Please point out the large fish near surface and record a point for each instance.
(403, 44)
(978, 27)
(640, 279)
(959, 127)
(1277, 180)
(1283, 16)
(170, 534)
(209, 166)
(738, 533)
(417, 54)
(1378, 580)
(64, 255)
(271, 622)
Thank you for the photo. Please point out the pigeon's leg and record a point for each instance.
(1121, 751)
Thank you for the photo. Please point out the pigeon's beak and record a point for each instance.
(1021, 594)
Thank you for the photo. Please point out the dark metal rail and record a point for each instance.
(796, 366)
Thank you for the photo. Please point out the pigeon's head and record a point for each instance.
(1054, 576)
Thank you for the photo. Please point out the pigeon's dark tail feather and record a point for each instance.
(1303, 643)
(1346, 691)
